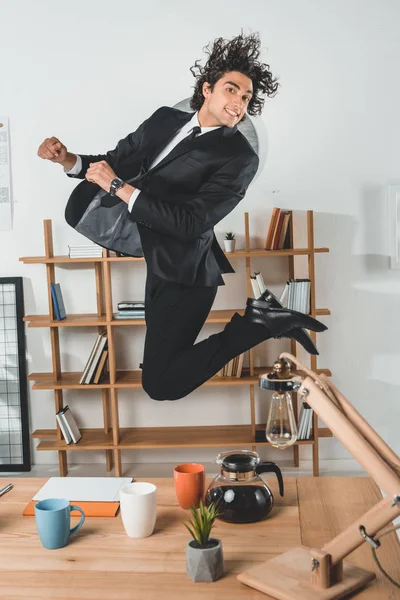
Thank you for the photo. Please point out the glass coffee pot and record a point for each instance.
(242, 496)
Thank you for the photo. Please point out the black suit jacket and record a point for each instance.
(184, 196)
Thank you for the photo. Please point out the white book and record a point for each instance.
(83, 246)
(298, 296)
(309, 424)
(85, 255)
(308, 292)
(261, 283)
(71, 424)
(303, 431)
(300, 421)
(284, 294)
(303, 296)
(290, 295)
(63, 427)
(256, 289)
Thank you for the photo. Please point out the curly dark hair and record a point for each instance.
(238, 54)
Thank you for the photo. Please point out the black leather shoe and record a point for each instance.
(281, 322)
(300, 335)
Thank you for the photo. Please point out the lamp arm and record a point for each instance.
(364, 427)
(351, 438)
(373, 520)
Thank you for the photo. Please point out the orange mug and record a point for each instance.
(189, 480)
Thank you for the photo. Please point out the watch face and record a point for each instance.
(116, 182)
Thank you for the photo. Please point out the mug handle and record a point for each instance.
(75, 529)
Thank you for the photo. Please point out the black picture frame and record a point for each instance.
(25, 464)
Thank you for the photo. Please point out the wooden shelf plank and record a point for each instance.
(75, 320)
(161, 437)
(92, 439)
(237, 254)
(93, 320)
(133, 379)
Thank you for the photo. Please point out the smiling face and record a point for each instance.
(227, 103)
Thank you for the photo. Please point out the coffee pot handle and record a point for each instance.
(271, 467)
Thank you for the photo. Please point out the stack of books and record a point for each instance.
(85, 251)
(305, 422)
(96, 361)
(68, 425)
(278, 231)
(130, 309)
(296, 295)
(233, 368)
(58, 302)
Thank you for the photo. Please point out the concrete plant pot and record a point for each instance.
(204, 564)
(229, 245)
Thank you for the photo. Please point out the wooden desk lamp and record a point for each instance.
(320, 574)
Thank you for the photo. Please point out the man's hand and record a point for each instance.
(100, 173)
(54, 150)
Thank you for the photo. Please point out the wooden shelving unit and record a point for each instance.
(113, 439)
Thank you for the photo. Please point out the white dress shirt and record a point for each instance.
(181, 134)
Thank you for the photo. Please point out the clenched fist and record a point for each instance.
(54, 150)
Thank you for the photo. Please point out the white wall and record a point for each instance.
(90, 71)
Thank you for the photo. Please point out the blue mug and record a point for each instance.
(53, 522)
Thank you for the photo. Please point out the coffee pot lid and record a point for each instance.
(238, 461)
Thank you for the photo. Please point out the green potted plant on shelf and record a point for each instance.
(229, 242)
(204, 557)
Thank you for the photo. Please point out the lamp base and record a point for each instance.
(288, 577)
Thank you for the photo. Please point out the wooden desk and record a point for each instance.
(102, 563)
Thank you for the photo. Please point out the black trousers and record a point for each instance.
(173, 365)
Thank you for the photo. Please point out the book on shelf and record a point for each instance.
(296, 295)
(63, 426)
(278, 230)
(260, 281)
(305, 422)
(94, 358)
(257, 284)
(131, 305)
(129, 314)
(58, 301)
(271, 229)
(85, 251)
(71, 425)
(233, 368)
(100, 367)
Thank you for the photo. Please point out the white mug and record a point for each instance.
(138, 508)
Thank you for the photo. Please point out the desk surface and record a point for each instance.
(102, 563)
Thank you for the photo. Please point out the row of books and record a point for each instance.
(278, 235)
(85, 251)
(58, 301)
(96, 361)
(233, 368)
(68, 426)
(130, 309)
(305, 422)
(296, 295)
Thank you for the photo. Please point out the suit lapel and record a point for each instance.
(162, 134)
(167, 131)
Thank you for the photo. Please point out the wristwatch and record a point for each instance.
(115, 185)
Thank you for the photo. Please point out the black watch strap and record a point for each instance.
(115, 185)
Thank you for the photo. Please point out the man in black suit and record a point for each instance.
(187, 171)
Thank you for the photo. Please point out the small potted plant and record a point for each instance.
(229, 242)
(204, 557)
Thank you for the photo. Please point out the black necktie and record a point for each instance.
(195, 131)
